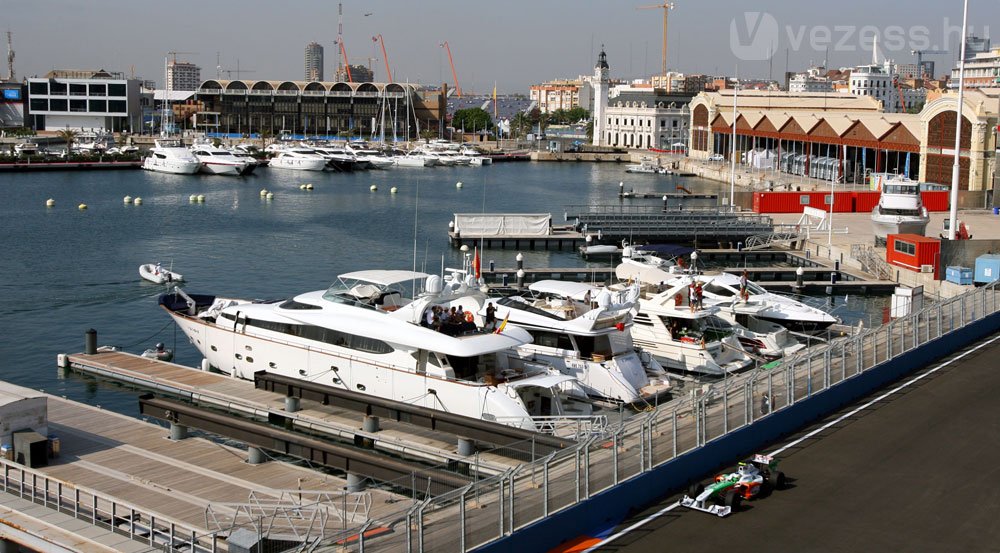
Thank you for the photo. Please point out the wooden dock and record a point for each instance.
(240, 396)
(560, 237)
(110, 463)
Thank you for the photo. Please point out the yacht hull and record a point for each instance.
(174, 167)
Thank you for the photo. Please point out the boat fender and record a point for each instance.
(468, 317)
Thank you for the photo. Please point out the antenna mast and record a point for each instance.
(10, 57)
(340, 39)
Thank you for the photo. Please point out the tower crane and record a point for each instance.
(10, 57)
(666, 7)
(454, 75)
(174, 54)
(229, 72)
(385, 56)
(920, 58)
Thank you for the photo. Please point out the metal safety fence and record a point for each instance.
(495, 507)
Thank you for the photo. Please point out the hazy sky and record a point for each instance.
(514, 42)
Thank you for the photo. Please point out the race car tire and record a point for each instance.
(777, 480)
(733, 500)
(694, 490)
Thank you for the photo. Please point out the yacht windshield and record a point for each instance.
(367, 294)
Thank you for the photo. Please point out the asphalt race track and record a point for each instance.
(918, 471)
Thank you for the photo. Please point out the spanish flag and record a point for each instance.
(503, 325)
(476, 265)
(494, 99)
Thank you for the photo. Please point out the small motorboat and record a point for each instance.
(160, 353)
(158, 275)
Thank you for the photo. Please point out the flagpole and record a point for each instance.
(956, 166)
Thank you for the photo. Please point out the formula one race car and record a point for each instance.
(729, 490)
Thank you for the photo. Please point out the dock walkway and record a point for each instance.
(240, 396)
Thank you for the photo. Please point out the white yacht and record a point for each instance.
(169, 156)
(588, 340)
(475, 158)
(338, 159)
(413, 159)
(900, 209)
(364, 334)
(723, 289)
(26, 149)
(219, 161)
(374, 158)
(687, 339)
(758, 336)
(298, 158)
(647, 166)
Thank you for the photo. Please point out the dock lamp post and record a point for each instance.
(955, 168)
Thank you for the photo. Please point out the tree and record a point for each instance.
(472, 119)
(520, 125)
(590, 132)
(576, 115)
(69, 136)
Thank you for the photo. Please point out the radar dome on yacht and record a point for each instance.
(604, 299)
(434, 284)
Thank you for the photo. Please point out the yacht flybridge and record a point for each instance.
(368, 334)
(583, 331)
(169, 156)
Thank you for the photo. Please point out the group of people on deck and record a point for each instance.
(453, 322)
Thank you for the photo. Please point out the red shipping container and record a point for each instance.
(793, 202)
(936, 200)
(913, 252)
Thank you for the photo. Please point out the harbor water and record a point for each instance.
(65, 269)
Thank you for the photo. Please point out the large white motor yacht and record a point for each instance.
(374, 158)
(169, 156)
(584, 332)
(900, 209)
(685, 338)
(723, 289)
(300, 159)
(364, 334)
(218, 161)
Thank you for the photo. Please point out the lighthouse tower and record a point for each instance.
(600, 83)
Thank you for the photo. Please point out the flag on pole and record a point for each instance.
(476, 264)
(503, 325)
(494, 99)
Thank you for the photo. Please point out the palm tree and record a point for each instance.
(521, 124)
(69, 136)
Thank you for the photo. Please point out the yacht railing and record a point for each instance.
(496, 507)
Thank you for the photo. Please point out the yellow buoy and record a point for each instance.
(309, 186)
(458, 184)
(270, 195)
(127, 199)
(263, 192)
(193, 198)
(373, 188)
(302, 187)
(50, 203)
(137, 201)
(81, 207)
(393, 190)
(201, 198)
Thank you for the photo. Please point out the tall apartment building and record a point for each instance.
(981, 71)
(314, 62)
(182, 75)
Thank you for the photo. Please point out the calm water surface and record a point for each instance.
(65, 270)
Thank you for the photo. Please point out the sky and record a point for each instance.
(514, 43)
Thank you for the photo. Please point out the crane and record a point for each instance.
(229, 72)
(454, 75)
(920, 58)
(347, 66)
(174, 54)
(385, 56)
(666, 7)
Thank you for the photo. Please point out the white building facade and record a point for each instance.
(96, 104)
(646, 120)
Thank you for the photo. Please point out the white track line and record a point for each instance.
(840, 419)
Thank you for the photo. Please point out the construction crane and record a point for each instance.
(666, 7)
(347, 66)
(920, 59)
(454, 75)
(229, 72)
(174, 54)
(385, 56)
